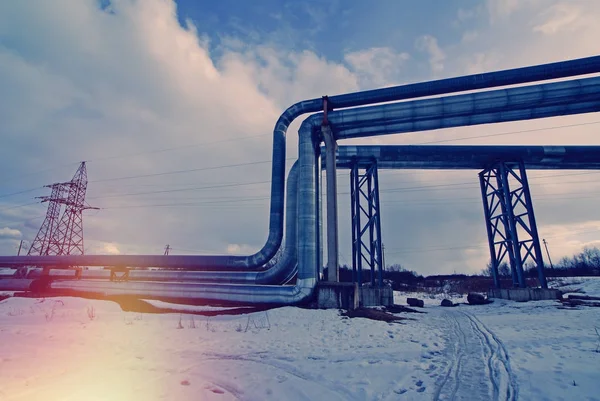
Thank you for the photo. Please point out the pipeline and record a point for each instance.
(469, 157)
(308, 254)
(516, 76)
(309, 246)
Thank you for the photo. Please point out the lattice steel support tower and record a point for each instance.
(510, 221)
(63, 236)
(69, 235)
(42, 244)
(366, 223)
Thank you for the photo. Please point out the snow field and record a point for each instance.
(75, 349)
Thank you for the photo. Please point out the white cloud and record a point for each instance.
(499, 9)
(469, 36)
(466, 14)
(111, 249)
(7, 232)
(560, 17)
(429, 44)
(376, 66)
(240, 249)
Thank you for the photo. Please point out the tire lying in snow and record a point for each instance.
(415, 302)
(477, 299)
(447, 302)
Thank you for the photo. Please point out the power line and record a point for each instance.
(180, 190)
(412, 202)
(39, 172)
(136, 154)
(22, 221)
(18, 206)
(470, 184)
(177, 148)
(20, 192)
(511, 133)
(396, 190)
(185, 171)
(216, 202)
(461, 247)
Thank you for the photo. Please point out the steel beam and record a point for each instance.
(366, 224)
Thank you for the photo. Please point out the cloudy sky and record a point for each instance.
(172, 105)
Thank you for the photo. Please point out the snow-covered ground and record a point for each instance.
(580, 285)
(430, 299)
(75, 349)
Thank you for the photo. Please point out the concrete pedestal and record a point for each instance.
(525, 294)
(350, 296)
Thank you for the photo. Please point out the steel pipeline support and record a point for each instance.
(510, 222)
(369, 252)
(332, 215)
(511, 219)
(531, 228)
(490, 206)
(497, 222)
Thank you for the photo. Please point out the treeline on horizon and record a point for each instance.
(584, 263)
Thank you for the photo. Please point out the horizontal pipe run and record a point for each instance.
(444, 122)
(231, 293)
(469, 157)
(522, 103)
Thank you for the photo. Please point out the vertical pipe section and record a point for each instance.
(353, 211)
(319, 209)
(332, 215)
(539, 260)
(307, 194)
(378, 226)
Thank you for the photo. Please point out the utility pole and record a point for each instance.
(383, 255)
(548, 253)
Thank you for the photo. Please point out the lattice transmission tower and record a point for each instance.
(63, 236)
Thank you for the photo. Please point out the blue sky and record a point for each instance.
(329, 28)
(140, 88)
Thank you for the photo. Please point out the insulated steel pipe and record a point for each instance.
(557, 70)
(469, 157)
(523, 103)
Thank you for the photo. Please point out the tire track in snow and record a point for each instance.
(454, 371)
(502, 377)
(332, 387)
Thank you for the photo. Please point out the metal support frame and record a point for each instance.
(119, 273)
(510, 222)
(366, 222)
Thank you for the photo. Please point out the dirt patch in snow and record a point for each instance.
(401, 309)
(373, 314)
